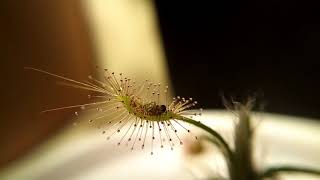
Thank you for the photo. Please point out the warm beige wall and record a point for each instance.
(127, 39)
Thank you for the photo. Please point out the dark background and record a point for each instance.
(267, 49)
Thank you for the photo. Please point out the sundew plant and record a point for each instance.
(143, 113)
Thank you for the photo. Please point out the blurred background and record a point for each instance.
(268, 49)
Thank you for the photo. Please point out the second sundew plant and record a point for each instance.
(142, 113)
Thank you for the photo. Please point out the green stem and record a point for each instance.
(218, 138)
(275, 170)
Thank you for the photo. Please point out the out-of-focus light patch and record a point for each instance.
(288, 140)
(126, 38)
(164, 164)
(76, 154)
(297, 176)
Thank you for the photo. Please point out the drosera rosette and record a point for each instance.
(140, 113)
(143, 113)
